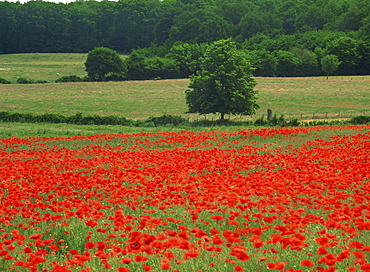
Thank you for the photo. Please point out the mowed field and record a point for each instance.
(303, 98)
(41, 66)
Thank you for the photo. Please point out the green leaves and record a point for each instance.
(329, 64)
(102, 61)
(224, 84)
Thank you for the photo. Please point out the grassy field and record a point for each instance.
(42, 66)
(304, 98)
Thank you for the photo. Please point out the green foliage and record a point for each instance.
(347, 51)
(24, 80)
(71, 78)
(116, 77)
(224, 84)
(166, 120)
(329, 64)
(187, 57)
(287, 64)
(102, 61)
(308, 63)
(80, 26)
(4, 81)
(362, 119)
(264, 62)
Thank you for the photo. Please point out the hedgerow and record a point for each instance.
(165, 120)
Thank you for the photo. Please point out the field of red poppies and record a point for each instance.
(283, 199)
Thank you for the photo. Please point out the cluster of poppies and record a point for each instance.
(283, 199)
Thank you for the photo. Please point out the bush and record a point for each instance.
(71, 78)
(116, 77)
(277, 121)
(4, 81)
(41, 81)
(294, 122)
(362, 119)
(261, 121)
(24, 80)
(166, 119)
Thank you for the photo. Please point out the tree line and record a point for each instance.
(280, 37)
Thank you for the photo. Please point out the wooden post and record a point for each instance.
(269, 114)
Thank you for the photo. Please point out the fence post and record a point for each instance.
(269, 114)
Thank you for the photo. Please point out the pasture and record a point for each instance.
(303, 98)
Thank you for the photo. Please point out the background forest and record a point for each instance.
(166, 38)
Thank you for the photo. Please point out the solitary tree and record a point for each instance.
(329, 64)
(224, 84)
(101, 61)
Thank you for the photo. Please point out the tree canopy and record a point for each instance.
(101, 61)
(329, 64)
(269, 31)
(224, 84)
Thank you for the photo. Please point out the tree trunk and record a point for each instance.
(222, 116)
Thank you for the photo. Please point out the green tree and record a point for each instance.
(287, 63)
(224, 84)
(347, 51)
(187, 57)
(329, 64)
(101, 61)
(263, 61)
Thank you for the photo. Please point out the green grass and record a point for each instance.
(42, 66)
(306, 98)
(57, 130)
(45, 66)
(303, 98)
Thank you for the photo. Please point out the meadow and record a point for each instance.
(41, 66)
(304, 98)
(280, 199)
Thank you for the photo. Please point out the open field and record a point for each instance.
(303, 98)
(280, 199)
(42, 66)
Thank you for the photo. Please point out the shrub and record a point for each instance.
(51, 118)
(4, 81)
(115, 77)
(277, 121)
(24, 80)
(261, 121)
(166, 119)
(362, 119)
(294, 122)
(70, 78)
(41, 81)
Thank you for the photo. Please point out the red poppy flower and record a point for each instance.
(307, 263)
(89, 245)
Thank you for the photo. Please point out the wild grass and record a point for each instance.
(42, 66)
(304, 98)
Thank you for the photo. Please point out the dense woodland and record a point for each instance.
(166, 38)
